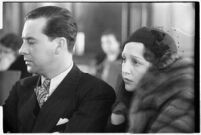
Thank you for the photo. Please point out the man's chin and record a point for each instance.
(30, 70)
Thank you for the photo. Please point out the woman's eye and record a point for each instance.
(135, 62)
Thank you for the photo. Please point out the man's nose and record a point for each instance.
(23, 49)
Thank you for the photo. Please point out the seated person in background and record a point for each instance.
(60, 98)
(9, 45)
(10, 59)
(162, 84)
(108, 63)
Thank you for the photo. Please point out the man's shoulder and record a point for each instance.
(91, 82)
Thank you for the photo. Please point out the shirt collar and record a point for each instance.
(54, 82)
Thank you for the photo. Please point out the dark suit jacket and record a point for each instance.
(85, 100)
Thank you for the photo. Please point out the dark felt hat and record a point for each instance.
(160, 47)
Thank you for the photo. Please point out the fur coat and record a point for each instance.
(164, 101)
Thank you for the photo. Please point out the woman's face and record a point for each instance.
(134, 65)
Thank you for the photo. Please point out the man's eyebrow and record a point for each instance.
(28, 38)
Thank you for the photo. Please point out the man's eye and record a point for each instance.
(31, 42)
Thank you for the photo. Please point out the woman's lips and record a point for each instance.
(126, 80)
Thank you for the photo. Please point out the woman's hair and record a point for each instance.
(160, 47)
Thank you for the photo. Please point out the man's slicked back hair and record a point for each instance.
(60, 23)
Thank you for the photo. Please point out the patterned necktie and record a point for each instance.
(42, 92)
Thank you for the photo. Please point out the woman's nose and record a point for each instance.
(126, 68)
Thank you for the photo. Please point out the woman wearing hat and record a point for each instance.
(161, 83)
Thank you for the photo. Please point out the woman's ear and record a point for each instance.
(149, 56)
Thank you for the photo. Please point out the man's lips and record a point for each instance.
(27, 61)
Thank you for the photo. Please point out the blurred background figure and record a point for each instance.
(9, 57)
(108, 62)
(12, 66)
(110, 46)
(9, 45)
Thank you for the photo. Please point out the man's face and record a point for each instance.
(37, 48)
(134, 65)
(109, 44)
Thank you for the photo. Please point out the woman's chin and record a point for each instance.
(129, 88)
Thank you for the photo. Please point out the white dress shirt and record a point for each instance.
(54, 82)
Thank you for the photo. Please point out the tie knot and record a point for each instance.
(42, 92)
(46, 84)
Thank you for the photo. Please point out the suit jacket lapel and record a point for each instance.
(26, 113)
(60, 101)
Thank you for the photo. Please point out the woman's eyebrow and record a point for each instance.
(136, 57)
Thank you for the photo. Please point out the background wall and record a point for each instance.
(93, 18)
(177, 19)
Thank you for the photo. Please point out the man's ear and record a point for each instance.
(61, 44)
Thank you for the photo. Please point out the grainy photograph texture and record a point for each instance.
(100, 67)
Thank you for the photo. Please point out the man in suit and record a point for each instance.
(60, 98)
